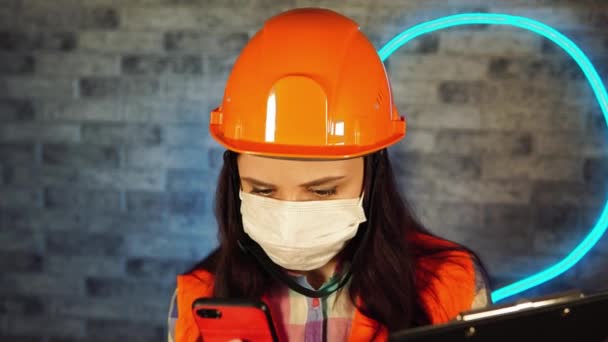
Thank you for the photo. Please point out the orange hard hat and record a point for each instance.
(309, 84)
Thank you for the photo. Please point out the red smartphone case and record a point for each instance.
(220, 320)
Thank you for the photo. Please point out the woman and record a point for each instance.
(309, 216)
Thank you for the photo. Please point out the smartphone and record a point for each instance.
(221, 320)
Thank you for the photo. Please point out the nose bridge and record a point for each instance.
(290, 194)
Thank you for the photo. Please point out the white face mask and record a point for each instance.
(301, 235)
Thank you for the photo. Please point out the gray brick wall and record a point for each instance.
(107, 170)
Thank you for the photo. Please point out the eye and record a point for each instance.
(324, 192)
(262, 192)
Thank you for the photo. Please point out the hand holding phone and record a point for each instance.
(221, 320)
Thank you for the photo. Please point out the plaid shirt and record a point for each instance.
(302, 318)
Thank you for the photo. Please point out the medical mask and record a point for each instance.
(301, 235)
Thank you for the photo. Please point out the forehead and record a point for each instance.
(285, 170)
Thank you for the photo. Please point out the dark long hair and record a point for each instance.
(384, 279)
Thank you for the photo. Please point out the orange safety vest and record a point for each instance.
(447, 292)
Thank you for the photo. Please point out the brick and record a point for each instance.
(525, 93)
(16, 110)
(188, 202)
(578, 93)
(538, 69)
(28, 132)
(505, 219)
(192, 247)
(167, 110)
(14, 338)
(121, 134)
(144, 311)
(18, 197)
(568, 144)
(416, 92)
(595, 171)
(121, 223)
(118, 330)
(425, 44)
(81, 110)
(597, 124)
(469, 191)
(118, 179)
(41, 16)
(440, 116)
(71, 64)
(437, 165)
(216, 158)
(122, 288)
(186, 135)
(36, 40)
(17, 153)
(81, 243)
(147, 202)
(509, 42)
(449, 220)
(8, 20)
(592, 273)
(564, 17)
(504, 68)
(240, 4)
(16, 64)
(417, 141)
(24, 175)
(512, 225)
(152, 267)
(21, 305)
(21, 262)
(515, 267)
(409, 13)
(218, 67)
(187, 180)
(120, 41)
(166, 157)
(48, 325)
(80, 155)
(436, 67)
(589, 42)
(229, 43)
(191, 18)
(99, 87)
(11, 4)
(533, 168)
(483, 142)
(84, 265)
(70, 198)
(90, 222)
(123, 179)
(513, 117)
(460, 92)
(568, 193)
(191, 88)
(154, 65)
(193, 223)
(40, 284)
(147, 19)
(558, 229)
(21, 240)
(20, 88)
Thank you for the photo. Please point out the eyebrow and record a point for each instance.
(315, 182)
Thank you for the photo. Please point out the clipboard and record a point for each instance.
(564, 317)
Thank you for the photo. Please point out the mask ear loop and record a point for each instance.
(248, 246)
